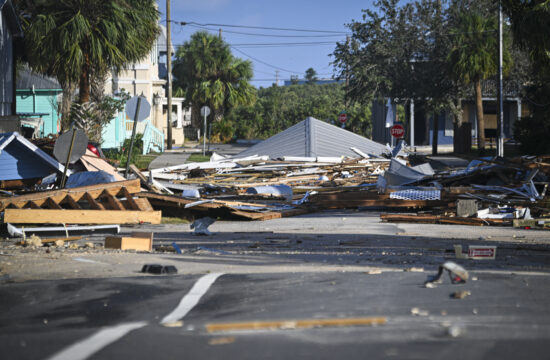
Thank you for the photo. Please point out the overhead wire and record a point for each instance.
(266, 35)
(263, 28)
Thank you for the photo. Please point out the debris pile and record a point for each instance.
(487, 191)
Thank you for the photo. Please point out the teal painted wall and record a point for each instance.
(42, 101)
(114, 133)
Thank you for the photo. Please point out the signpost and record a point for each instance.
(343, 117)
(205, 111)
(397, 131)
(140, 107)
(70, 147)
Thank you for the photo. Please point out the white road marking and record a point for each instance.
(192, 298)
(104, 337)
(87, 347)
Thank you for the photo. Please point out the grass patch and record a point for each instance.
(198, 158)
(173, 220)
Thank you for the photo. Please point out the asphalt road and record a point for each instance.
(504, 317)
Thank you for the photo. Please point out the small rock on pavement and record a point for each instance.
(417, 312)
(461, 294)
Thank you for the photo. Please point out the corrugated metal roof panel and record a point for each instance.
(26, 79)
(313, 137)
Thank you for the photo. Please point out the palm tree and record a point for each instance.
(76, 39)
(210, 75)
(473, 58)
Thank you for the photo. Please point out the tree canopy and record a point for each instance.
(531, 30)
(210, 75)
(74, 39)
(279, 107)
(473, 57)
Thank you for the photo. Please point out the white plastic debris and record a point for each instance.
(201, 226)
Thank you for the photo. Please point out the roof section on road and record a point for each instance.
(312, 137)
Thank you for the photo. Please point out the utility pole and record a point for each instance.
(277, 77)
(500, 118)
(220, 33)
(169, 82)
(346, 100)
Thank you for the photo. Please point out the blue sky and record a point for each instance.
(289, 59)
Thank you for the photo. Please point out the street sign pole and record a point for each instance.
(204, 136)
(205, 111)
(133, 137)
(64, 178)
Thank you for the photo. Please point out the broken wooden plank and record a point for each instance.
(39, 216)
(437, 219)
(143, 180)
(295, 324)
(52, 240)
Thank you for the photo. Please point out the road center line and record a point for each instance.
(87, 347)
(192, 298)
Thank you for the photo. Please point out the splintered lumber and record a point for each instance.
(295, 324)
(52, 240)
(225, 209)
(437, 219)
(57, 196)
(353, 199)
(143, 179)
(40, 216)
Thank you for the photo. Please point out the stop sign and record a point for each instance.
(342, 117)
(397, 131)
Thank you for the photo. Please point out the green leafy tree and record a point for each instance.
(74, 40)
(278, 108)
(395, 51)
(531, 30)
(473, 57)
(311, 76)
(209, 75)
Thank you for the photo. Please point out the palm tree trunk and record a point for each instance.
(479, 115)
(67, 98)
(435, 133)
(85, 81)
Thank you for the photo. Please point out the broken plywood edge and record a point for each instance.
(40, 216)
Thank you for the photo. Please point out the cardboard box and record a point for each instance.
(140, 241)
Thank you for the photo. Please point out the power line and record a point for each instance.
(263, 62)
(286, 44)
(266, 35)
(263, 28)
